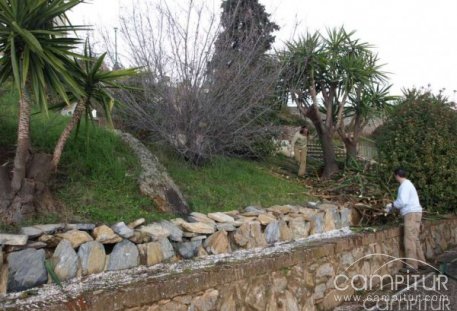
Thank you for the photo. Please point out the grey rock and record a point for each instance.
(312, 204)
(167, 249)
(272, 232)
(65, 261)
(121, 229)
(26, 269)
(189, 249)
(337, 219)
(226, 227)
(345, 215)
(175, 232)
(31, 232)
(221, 217)
(124, 256)
(317, 224)
(199, 238)
(199, 217)
(82, 227)
(13, 239)
(254, 209)
(51, 228)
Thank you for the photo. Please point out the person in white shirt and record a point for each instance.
(408, 204)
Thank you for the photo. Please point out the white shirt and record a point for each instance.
(407, 199)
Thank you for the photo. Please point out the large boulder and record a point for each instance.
(272, 234)
(76, 237)
(188, 250)
(124, 256)
(198, 227)
(65, 261)
(221, 217)
(156, 231)
(317, 224)
(156, 252)
(175, 231)
(199, 217)
(217, 243)
(31, 232)
(92, 257)
(122, 230)
(154, 179)
(106, 235)
(26, 269)
(249, 235)
(13, 239)
(299, 227)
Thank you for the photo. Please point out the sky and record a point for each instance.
(415, 39)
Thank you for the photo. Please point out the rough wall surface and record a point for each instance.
(291, 276)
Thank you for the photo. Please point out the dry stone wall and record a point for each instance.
(298, 275)
(78, 250)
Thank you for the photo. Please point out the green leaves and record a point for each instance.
(96, 82)
(420, 136)
(35, 50)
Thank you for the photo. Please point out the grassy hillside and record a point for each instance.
(96, 180)
(97, 177)
(228, 184)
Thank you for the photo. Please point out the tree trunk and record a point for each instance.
(351, 149)
(328, 148)
(26, 191)
(23, 143)
(79, 109)
(326, 139)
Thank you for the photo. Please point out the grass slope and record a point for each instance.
(228, 184)
(97, 176)
(96, 181)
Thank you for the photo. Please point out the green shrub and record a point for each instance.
(420, 135)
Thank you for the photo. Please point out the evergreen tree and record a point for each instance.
(247, 32)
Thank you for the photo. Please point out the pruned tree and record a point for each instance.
(321, 73)
(181, 101)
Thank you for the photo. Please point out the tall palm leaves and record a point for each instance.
(35, 42)
(334, 66)
(95, 83)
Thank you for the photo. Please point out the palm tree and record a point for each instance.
(96, 83)
(331, 67)
(36, 44)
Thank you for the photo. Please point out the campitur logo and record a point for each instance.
(412, 291)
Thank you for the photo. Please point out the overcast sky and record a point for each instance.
(416, 39)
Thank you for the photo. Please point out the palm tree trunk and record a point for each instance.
(326, 139)
(23, 143)
(79, 109)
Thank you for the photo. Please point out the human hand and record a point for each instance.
(388, 208)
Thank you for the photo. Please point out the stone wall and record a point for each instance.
(298, 275)
(78, 250)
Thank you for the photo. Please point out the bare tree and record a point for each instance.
(183, 100)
